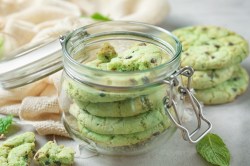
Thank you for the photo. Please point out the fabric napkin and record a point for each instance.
(24, 23)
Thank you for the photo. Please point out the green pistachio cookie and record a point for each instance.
(18, 150)
(211, 47)
(84, 93)
(21, 155)
(111, 140)
(226, 91)
(127, 125)
(54, 155)
(209, 78)
(27, 137)
(124, 108)
(140, 57)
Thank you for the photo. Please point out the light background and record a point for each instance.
(230, 121)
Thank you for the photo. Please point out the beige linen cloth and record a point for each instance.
(27, 22)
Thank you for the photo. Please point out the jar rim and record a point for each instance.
(64, 40)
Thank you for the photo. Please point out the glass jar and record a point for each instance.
(123, 113)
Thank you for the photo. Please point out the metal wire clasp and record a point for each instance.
(169, 102)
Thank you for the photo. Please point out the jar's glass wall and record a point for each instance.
(116, 112)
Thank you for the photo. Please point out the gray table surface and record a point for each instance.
(230, 121)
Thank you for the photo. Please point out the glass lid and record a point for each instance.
(30, 64)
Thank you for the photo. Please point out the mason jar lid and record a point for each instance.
(39, 61)
(31, 65)
(121, 35)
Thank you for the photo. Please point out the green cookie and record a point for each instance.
(209, 78)
(124, 108)
(226, 91)
(128, 125)
(84, 93)
(140, 57)
(21, 155)
(27, 137)
(124, 139)
(211, 47)
(18, 150)
(54, 155)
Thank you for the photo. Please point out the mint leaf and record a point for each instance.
(213, 149)
(5, 123)
(100, 17)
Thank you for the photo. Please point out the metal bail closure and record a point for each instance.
(169, 102)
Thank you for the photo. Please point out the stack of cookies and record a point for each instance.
(215, 54)
(120, 123)
(116, 118)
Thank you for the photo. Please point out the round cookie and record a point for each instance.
(142, 56)
(128, 125)
(84, 93)
(226, 91)
(211, 47)
(124, 108)
(124, 139)
(209, 78)
(139, 57)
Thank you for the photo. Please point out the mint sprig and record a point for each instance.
(5, 123)
(100, 17)
(213, 149)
